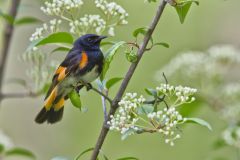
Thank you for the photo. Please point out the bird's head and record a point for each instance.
(89, 42)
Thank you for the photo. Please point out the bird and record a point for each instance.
(82, 65)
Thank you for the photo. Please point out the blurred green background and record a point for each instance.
(213, 22)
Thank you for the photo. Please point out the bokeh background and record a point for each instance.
(212, 22)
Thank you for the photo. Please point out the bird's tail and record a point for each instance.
(52, 111)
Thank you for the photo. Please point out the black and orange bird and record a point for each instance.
(83, 64)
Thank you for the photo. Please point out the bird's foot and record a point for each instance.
(89, 86)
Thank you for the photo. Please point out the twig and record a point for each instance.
(127, 78)
(8, 32)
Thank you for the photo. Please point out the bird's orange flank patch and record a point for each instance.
(84, 60)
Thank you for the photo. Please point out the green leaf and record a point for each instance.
(127, 133)
(20, 152)
(152, 1)
(182, 10)
(9, 19)
(58, 37)
(83, 152)
(1, 148)
(131, 56)
(128, 158)
(75, 99)
(112, 82)
(151, 92)
(109, 57)
(199, 121)
(162, 44)
(106, 43)
(145, 109)
(142, 31)
(60, 49)
(26, 20)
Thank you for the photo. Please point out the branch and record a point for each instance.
(8, 32)
(127, 78)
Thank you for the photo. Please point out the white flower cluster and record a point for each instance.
(167, 121)
(231, 136)
(112, 9)
(183, 94)
(88, 23)
(51, 28)
(57, 7)
(136, 116)
(126, 117)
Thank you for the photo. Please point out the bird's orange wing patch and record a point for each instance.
(59, 104)
(49, 101)
(84, 60)
(61, 71)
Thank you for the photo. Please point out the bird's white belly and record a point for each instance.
(90, 76)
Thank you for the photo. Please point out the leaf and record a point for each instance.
(127, 133)
(162, 44)
(109, 57)
(131, 56)
(106, 43)
(20, 152)
(75, 99)
(152, 1)
(59, 37)
(151, 92)
(7, 17)
(182, 10)
(1, 148)
(112, 82)
(145, 109)
(26, 20)
(60, 49)
(199, 121)
(142, 31)
(128, 158)
(84, 152)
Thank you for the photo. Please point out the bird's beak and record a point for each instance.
(101, 38)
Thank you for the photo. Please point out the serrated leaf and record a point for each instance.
(109, 57)
(60, 49)
(127, 133)
(151, 92)
(26, 20)
(75, 99)
(128, 158)
(20, 152)
(162, 44)
(55, 38)
(9, 19)
(1, 148)
(199, 121)
(112, 82)
(182, 10)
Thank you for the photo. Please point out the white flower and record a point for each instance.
(57, 7)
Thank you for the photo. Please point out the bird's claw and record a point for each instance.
(88, 86)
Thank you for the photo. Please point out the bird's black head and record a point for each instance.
(88, 42)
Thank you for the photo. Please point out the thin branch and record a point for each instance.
(8, 32)
(127, 78)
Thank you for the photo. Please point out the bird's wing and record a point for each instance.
(75, 60)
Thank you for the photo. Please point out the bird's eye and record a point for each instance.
(90, 40)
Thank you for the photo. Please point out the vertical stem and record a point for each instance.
(128, 76)
(8, 32)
